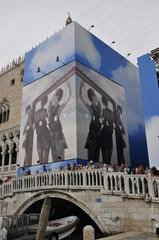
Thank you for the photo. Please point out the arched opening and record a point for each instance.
(14, 154)
(4, 116)
(63, 208)
(8, 112)
(0, 117)
(6, 156)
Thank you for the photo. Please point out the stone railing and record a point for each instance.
(122, 184)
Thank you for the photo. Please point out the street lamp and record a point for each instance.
(92, 26)
(111, 43)
(58, 60)
(127, 55)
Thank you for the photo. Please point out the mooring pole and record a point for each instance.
(88, 233)
(43, 220)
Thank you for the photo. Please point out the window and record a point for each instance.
(22, 72)
(4, 110)
(12, 82)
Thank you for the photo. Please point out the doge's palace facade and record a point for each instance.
(11, 83)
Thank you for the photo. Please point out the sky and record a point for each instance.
(132, 24)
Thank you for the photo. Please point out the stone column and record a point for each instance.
(10, 156)
(17, 136)
(88, 233)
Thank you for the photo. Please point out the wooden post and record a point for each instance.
(43, 221)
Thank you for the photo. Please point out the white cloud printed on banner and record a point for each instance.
(86, 48)
(60, 44)
(127, 77)
(152, 133)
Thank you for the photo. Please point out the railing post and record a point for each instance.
(66, 179)
(126, 183)
(36, 182)
(150, 187)
(84, 178)
(105, 177)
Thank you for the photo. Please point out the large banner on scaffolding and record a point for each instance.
(101, 118)
(48, 125)
(75, 114)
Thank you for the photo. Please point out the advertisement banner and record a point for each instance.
(48, 126)
(101, 118)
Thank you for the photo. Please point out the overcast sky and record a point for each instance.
(133, 24)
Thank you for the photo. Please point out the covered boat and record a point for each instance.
(24, 227)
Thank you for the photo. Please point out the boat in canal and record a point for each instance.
(24, 227)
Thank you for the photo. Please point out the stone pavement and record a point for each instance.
(133, 236)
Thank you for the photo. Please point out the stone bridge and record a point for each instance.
(113, 201)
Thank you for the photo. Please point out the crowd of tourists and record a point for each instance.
(139, 169)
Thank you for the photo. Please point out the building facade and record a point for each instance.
(11, 85)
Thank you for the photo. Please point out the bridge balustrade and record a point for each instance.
(123, 184)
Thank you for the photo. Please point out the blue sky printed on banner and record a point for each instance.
(76, 43)
(150, 99)
(44, 55)
(94, 53)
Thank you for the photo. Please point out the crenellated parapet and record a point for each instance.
(16, 62)
(12, 65)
